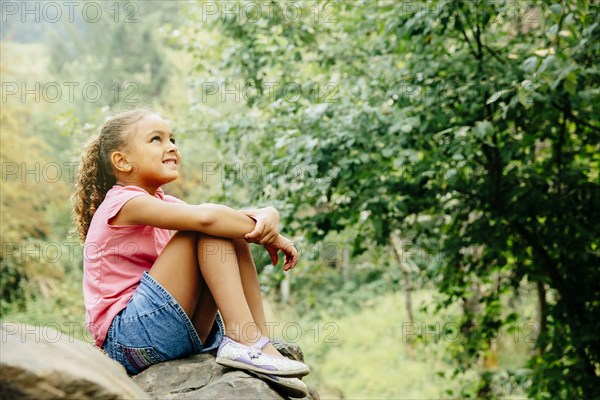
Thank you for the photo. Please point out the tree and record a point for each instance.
(120, 57)
(32, 186)
(472, 128)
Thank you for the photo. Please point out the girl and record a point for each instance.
(157, 270)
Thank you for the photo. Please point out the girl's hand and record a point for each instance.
(287, 247)
(267, 225)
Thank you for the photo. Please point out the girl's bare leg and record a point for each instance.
(201, 272)
(221, 271)
(176, 269)
(205, 272)
(206, 310)
(249, 278)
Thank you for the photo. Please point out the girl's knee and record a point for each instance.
(215, 245)
(183, 238)
(205, 238)
(189, 235)
(216, 249)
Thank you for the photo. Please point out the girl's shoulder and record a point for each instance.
(118, 193)
(121, 194)
(116, 197)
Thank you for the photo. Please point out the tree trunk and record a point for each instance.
(284, 289)
(398, 252)
(346, 263)
(542, 313)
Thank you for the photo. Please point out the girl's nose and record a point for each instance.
(172, 147)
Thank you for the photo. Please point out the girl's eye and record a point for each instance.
(173, 140)
(155, 138)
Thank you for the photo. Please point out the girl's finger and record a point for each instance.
(289, 262)
(273, 253)
(269, 238)
(295, 257)
(257, 232)
(291, 257)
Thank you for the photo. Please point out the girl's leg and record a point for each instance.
(185, 261)
(229, 271)
(206, 311)
(251, 286)
(176, 269)
(221, 271)
(249, 279)
(202, 272)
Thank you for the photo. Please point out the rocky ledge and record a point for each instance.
(42, 363)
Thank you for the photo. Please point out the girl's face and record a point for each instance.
(150, 158)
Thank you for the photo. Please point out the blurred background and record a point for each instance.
(436, 163)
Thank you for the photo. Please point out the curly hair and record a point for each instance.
(95, 175)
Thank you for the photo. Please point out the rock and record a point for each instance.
(289, 350)
(42, 363)
(200, 377)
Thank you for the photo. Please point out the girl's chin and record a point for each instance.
(170, 179)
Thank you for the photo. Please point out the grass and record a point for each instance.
(367, 355)
(61, 308)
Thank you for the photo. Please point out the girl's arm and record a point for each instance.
(212, 219)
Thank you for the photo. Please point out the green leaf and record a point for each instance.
(530, 64)
(570, 83)
(548, 63)
(525, 93)
(582, 6)
(494, 97)
(406, 128)
(483, 129)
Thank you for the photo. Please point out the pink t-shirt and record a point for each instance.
(115, 257)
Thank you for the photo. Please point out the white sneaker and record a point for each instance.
(251, 358)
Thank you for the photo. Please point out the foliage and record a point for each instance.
(31, 211)
(338, 352)
(118, 61)
(321, 287)
(472, 128)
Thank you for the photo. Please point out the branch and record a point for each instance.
(578, 120)
(560, 24)
(478, 39)
(575, 118)
(560, 143)
(494, 54)
(543, 305)
(550, 266)
(464, 33)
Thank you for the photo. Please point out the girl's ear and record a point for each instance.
(119, 161)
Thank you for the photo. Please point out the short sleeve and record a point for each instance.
(118, 196)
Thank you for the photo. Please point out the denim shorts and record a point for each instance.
(154, 328)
